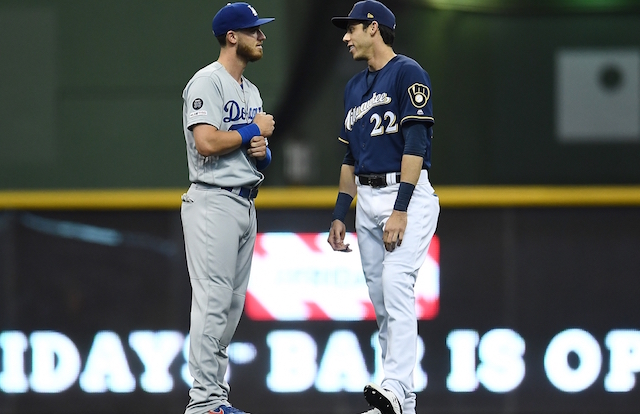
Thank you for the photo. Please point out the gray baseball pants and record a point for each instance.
(219, 234)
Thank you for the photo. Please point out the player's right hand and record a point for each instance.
(336, 237)
(394, 230)
(265, 122)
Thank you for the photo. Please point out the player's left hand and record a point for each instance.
(394, 230)
(257, 147)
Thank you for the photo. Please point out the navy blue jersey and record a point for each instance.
(376, 106)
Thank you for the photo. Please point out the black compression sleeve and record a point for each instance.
(415, 138)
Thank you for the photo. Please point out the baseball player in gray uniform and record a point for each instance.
(226, 133)
(387, 131)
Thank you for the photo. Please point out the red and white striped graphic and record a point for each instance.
(298, 277)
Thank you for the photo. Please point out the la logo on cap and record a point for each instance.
(255, 13)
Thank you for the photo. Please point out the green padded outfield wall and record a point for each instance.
(90, 93)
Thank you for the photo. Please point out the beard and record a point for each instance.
(247, 53)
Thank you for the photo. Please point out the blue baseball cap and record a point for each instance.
(236, 16)
(368, 10)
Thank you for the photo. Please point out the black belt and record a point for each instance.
(376, 180)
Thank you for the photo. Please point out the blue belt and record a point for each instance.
(244, 192)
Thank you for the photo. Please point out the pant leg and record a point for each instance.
(391, 278)
(369, 233)
(400, 270)
(244, 259)
(240, 284)
(371, 215)
(214, 225)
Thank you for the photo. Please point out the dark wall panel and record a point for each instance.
(92, 97)
(537, 314)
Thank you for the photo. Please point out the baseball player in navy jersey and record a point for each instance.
(226, 132)
(387, 130)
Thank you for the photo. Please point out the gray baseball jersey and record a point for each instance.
(213, 97)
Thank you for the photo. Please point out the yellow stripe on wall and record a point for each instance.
(324, 197)
(539, 196)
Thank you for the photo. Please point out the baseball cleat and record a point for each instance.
(226, 409)
(372, 411)
(384, 400)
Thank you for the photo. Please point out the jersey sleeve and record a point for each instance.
(343, 136)
(348, 158)
(203, 99)
(415, 94)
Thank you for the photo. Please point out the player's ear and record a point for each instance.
(232, 37)
(373, 27)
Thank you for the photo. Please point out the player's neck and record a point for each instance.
(233, 65)
(381, 56)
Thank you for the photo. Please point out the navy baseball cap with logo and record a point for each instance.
(368, 10)
(236, 16)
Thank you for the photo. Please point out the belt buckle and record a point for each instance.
(378, 181)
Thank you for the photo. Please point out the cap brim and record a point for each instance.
(257, 23)
(266, 20)
(260, 22)
(341, 22)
